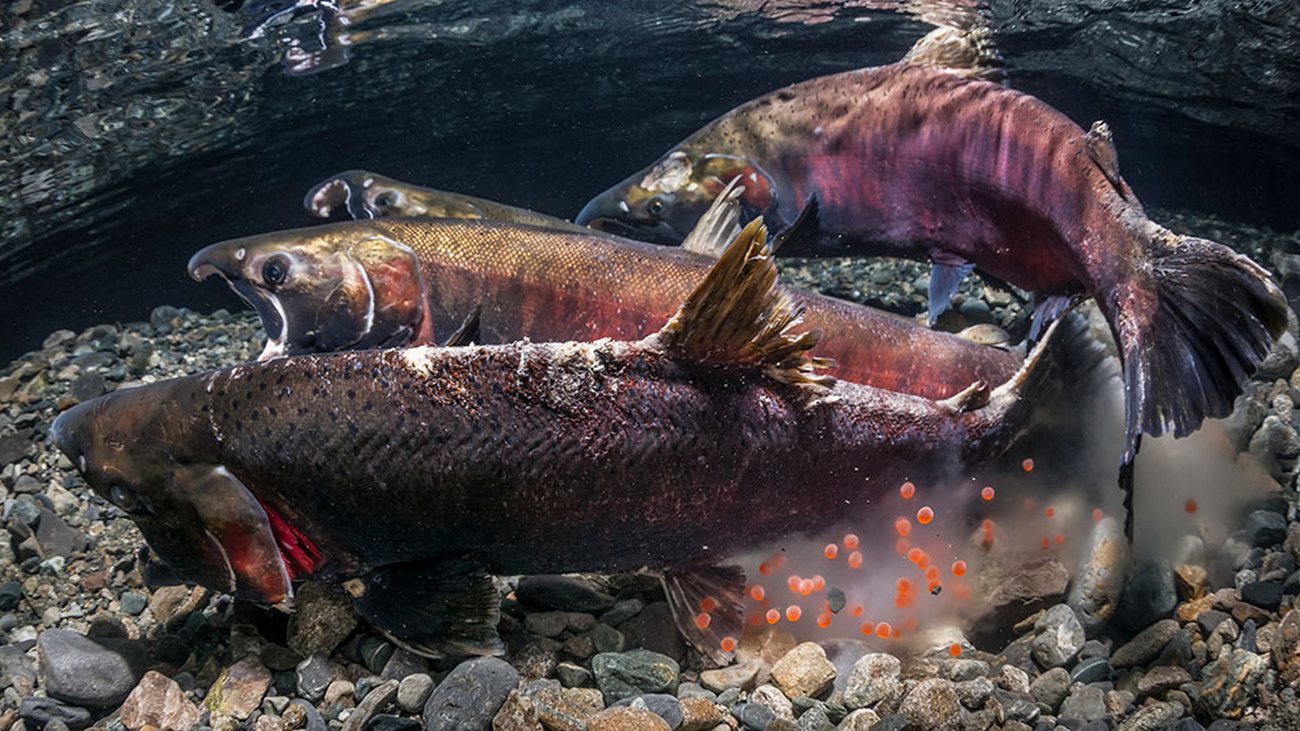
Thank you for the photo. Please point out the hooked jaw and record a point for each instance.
(225, 260)
(199, 518)
(609, 212)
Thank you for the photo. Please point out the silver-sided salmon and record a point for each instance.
(407, 476)
(919, 159)
(397, 281)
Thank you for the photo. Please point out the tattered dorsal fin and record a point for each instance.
(719, 225)
(737, 315)
(1100, 144)
(968, 52)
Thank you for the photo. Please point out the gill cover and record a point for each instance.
(325, 289)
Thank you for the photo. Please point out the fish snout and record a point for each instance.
(602, 207)
(225, 258)
(68, 433)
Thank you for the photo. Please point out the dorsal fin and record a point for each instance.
(719, 225)
(738, 315)
(968, 52)
(1100, 144)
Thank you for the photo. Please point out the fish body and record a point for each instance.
(549, 285)
(408, 475)
(912, 159)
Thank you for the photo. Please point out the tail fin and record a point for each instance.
(1192, 334)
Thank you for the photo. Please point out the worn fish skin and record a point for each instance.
(408, 475)
(364, 194)
(550, 285)
(912, 159)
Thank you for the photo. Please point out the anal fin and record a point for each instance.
(712, 596)
(434, 608)
(946, 276)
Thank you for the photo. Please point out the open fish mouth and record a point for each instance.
(271, 311)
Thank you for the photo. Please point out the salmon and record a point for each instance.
(408, 476)
(396, 281)
(923, 159)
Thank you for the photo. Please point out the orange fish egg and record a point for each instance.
(902, 546)
(1049, 511)
(904, 601)
(856, 610)
(824, 620)
(831, 550)
(1027, 465)
(1059, 538)
(907, 491)
(793, 582)
(925, 515)
(867, 628)
(915, 555)
(855, 560)
(884, 630)
(850, 540)
(1047, 543)
(773, 616)
(755, 620)
(987, 493)
(932, 573)
(903, 526)
(708, 604)
(765, 568)
(818, 583)
(958, 568)
(702, 620)
(728, 644)
(758, 593)
(1097, 515)
(954, 649)
(806, 587)
(1190, 505)
(903, 585)
(793, 612)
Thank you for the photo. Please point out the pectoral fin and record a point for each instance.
(434, 608)
(946, 275)
(707, 605)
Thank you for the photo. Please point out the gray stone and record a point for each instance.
(622, 611)
(844, 654)
(1144, 647)
(1229, 684)
(16, 668)
(653, 629)
(1149, 595)
(14, 447)
(470, 695)
(314, 675)
(42, 712)
(753, 716)
(667, 707)
(572, 675)
(322, 619)
(1059, 637)
(932, 705)
(1265, 528)
(875, 677)
(974, 692)
(1100, 581)
(88, 386)
(133, 603)
(863, 719)
(1162, 678)
(1085, 703)
(623, 674)
(1092, 670)
(771, 698)
(413, 691)
(1051, 687)
(92, 672)
(378, 699)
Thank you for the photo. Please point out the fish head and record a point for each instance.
(364, 194)
(343, 286)
(663, 203)
(149, 453)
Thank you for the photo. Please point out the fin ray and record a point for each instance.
(687, 590)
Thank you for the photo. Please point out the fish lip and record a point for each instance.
(658, 232)
(210, 261)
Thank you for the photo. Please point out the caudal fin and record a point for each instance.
(1191, 333)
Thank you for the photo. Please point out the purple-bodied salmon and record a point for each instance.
(919, 159)
(396, 281)
(408, 476)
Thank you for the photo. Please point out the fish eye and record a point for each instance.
(127, 501)
(275, 271)
(656, 206)
(385, 199)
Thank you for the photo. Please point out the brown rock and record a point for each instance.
(1188, 611)
(626, 718)
(1230, 683)
(517, 714)
(564, 709)
(238, 691)
(1243, 611)
(170, 604)
(159, 702)
(1192, 581)
(1162, 678)
(743, 676)
(932, 704)
(804, 671)
(1144, 648)
(1016, 590)
(766, 644)
(1286, 647)
(699, 714)
(324, 617)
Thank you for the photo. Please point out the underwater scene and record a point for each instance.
(697, 365)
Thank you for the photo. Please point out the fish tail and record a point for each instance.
(1191, 328)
